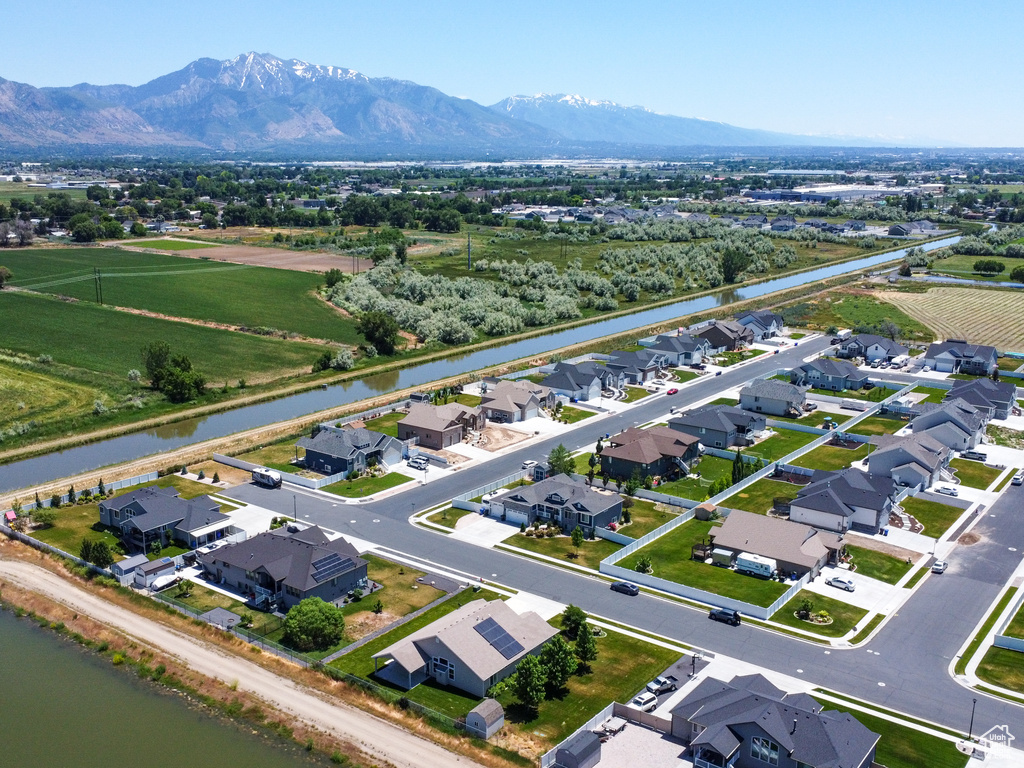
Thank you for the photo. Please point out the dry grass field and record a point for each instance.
(978, 315)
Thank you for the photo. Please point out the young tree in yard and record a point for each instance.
(737, 468)
(634, 483)
(528, 682)
(573, 617)
(85, 551)
(559, 662)
(313, 625)
(577, 539)
(643, 564)
(560, 461)
(586, 647)
(381, 330)
(101, 554)
(72, 496)
(45, 517)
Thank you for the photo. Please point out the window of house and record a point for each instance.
(117, 514)
(718, 443)
(443, 667)
(250, 575)
(765, 750)
(291, 591)
(586, 519)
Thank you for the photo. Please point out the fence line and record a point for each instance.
(618, 538)
(114, 485)
(1008, 641)
(289, 477)
(44, 547)
(492, 486)
(548, 758)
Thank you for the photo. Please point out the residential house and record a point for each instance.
(569, 382)
(471, 648)
(155, 515)
(440, 426)
(774, 397)
(754, 221)
(610, 378)
(783, 224)
(826, 373)
(997, 399)
(638, 367)
(795, 548)
(914, 460)
(285, 566)
(815, 224)
(956, 356)
(855, 225)
(508, 401)
(749, 723)
(955, 423)
(658, 452)
(561, 500)
(910, 228)
(697, 217)
(681, 349)
(871, 347)
(485, 719)
(720, 426)
(333, 450)
(763, 322)
(727, 335)
(848, 498)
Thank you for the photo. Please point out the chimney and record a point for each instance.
(794, 727)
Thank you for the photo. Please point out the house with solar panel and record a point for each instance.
(471, 648)
(281, 568)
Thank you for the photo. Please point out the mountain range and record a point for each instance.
(260, 103)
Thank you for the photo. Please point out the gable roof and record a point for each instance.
(561, 491)
(154, 495)
(646, 446)
(569, 378)
(773, 389)
(838, 492)
(345, 443)
(778, 539)
(724, 418)
(961, 350)
(865, 340)
(437, 417)
(951, 409)
(163, 507)
(641, 360)
(513, 395)
(678, 343)
(828, 366)
(729, 328)
(762, 317)
(918, 448)
(489, 710)
(983, 393)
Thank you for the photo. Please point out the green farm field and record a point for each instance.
(169, 245)
(984, 316)
(29, 395)
(12, 189)
(962, 265)
(179, 286)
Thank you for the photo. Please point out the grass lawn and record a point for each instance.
(758, 498)
(635, 393)
(782, 443)
(470, 400)
(974, 474)
(170, 245)
(876, 425)
(933, 394)
(572, 415)
(1016, 626)
(560, 547)
(797, 335)
(645, 518)
(905, 747)
(536, 378)
(386, 424)
(1007, 479)
(878, 565)
(682, 375)
(711, 468)
(849, 310)
(1002, 667)
(935, 516)
(1009, 363)
(875, 395)
(725, 359)
(40, 396)
(278, 456)
(831, 457)
(724, 401)
(449, 517)
(623, 666)
(844, 616)
(401, 595)
(204, 599)
(366, 485)
(670, 558)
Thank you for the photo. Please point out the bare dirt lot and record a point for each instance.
(494, 438)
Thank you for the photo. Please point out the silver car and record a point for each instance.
(841, 582)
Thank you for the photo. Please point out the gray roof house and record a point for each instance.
(826, 373)
(720, 426)
(995, 398)
(471, 648)
(955, 423)
(957, 356)
(749, 722)
(726, 335)
(657, 451)
(562, 500)
(153, 514)
(681, 349)
(871, 347)
(509, 401)
(906, 229)
(783, 224)
(576, 385)
(763, 322)
(774, 397)
(794, 547)
(440, 426)
(915, 460)
(638, 367)
(855, 225)
(285, 566)
(844, 500)
(332, 450)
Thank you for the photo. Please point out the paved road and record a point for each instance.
(910, 656)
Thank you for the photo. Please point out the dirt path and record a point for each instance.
(378, 738)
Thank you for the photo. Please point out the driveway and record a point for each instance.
(869, 594)
(483, 531)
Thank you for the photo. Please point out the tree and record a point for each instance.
(156, 357)
(314, 625)
(528, 683)
(737, 468)
(1017, 275)
(577, 539)
(85, 551)
(72, 496)
(332, 277)
(45, 517)
(634, 483)
(139, 229)
(573, 617)
(734, 262)
(905, 270)
(643, 564)
(888, 328)
(85, 232)
(559, 662)
(586, 646)
(101, 554)
(989, 266)
(381, 330)
(561, 462)
(5, 276)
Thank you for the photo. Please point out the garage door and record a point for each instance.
(516, 516)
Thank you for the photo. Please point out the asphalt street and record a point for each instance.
(905, 667)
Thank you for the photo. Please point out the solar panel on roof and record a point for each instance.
(329, 566)
(499, 639)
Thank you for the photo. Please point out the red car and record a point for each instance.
(672, 391)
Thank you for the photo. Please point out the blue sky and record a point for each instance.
(939, 71)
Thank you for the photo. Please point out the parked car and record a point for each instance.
(868, 385)
(626, 588)
(645, 702)
(947, 490)
(874, 363)
(725, 615)
(841, 582)
(672, 391)
(529, 464)
(974, 455)
(1018, 479)
(663, 684)
(939, 566)
(699, 366)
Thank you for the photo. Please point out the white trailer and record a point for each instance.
(755, 565)
(266, 477)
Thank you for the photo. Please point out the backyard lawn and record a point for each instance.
(277, 456)
(386, 424)
(759, 497)
(876, 425)
(682, 375)
(782, 443)
(710, 468)
(401, 595)
(935, 516)
(670, 558)
(831, 457)
(469, 400)
(560, 547)
(844, 616)
(366, 485)
(634, 393)
(904, 747)
(974, 474)
(204, 599)
(932, 394)
(871, 395)
(878, 565)
(572, 415)
(449, 517)
(646, 518)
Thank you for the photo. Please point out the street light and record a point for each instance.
(970, 731)
(697, 656)
(295, 516)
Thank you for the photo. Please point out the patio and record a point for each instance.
(637, 745)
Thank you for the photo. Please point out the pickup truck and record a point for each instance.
(663, 684)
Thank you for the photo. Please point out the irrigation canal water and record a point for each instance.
(30, 472)
(68, 707)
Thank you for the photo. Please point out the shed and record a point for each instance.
(581, 751)
(146, 574)
(124, 570)
(485, 719)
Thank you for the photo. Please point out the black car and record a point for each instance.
(626, 588)
(726, 615)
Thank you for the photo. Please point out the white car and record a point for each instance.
(529, 464)
(841, 582)
(939, 566)
(947, 490)
(645, 702)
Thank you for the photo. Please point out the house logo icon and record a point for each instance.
(999, 734)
